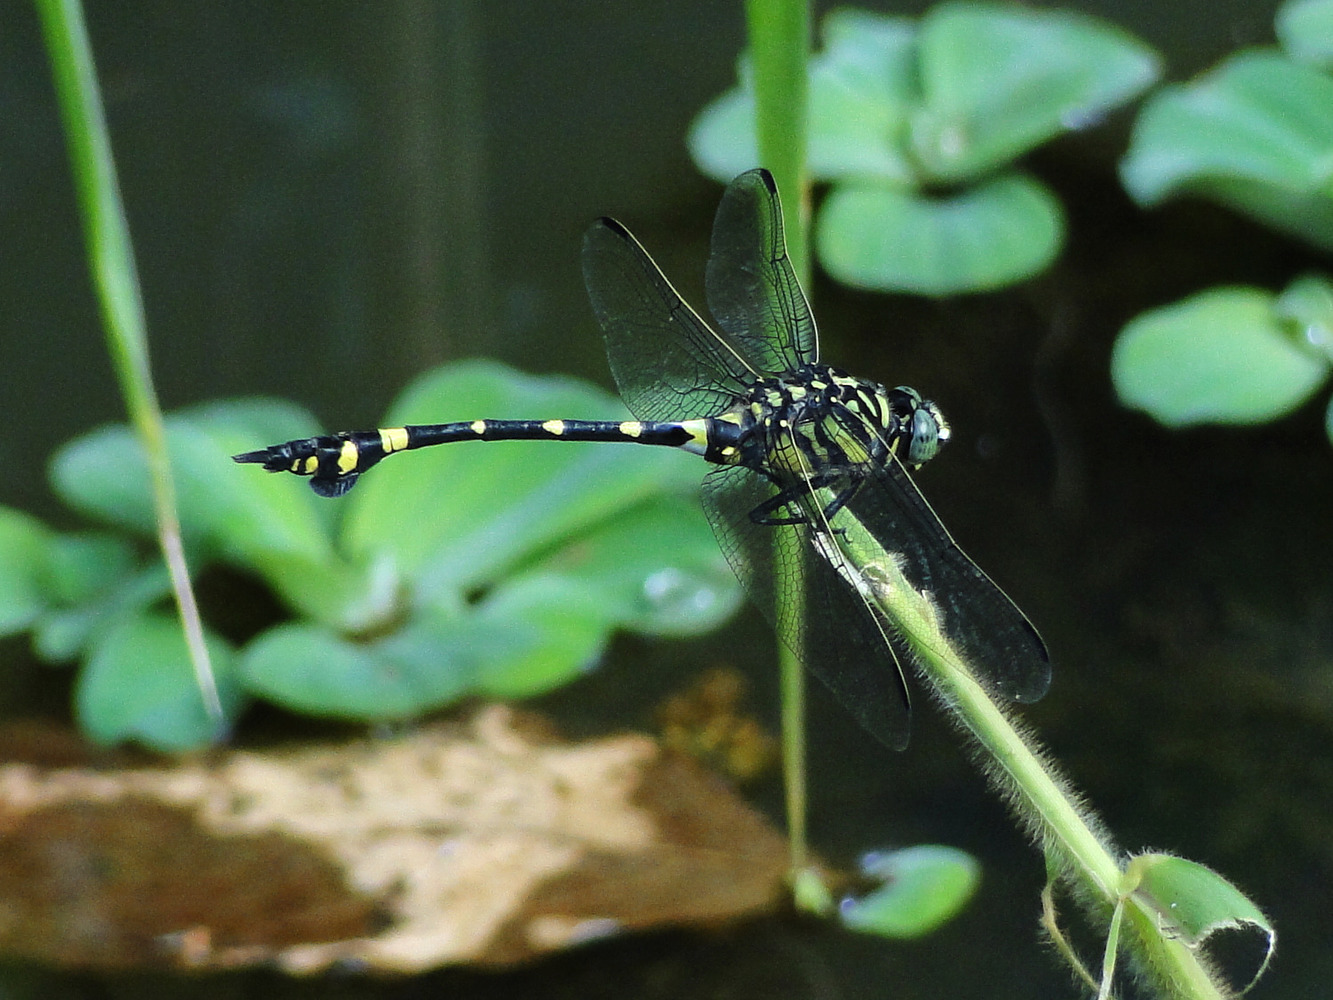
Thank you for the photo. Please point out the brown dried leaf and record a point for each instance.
(487, 842)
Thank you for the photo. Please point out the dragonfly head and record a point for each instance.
(922, 425)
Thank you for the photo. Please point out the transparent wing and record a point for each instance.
(1000, 644)
(668, 364)
(837, 636)
(753, 293)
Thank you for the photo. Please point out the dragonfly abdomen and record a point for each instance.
(334, 461)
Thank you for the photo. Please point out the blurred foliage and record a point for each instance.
(919, 888)
(485, 570)
(916, 126)
(1254, 134)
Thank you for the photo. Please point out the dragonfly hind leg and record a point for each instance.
(791, 497)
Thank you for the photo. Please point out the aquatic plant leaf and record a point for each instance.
(862, 88)
(138, 685)
(923, 887)
(423, 665)
(25, 550)
(1307, 304)
(998, 80)
(459, 517)
(999, 231)
(1255, 134)
(1221, 356)
(1305, 29)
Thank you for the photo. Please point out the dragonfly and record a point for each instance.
(800, 452)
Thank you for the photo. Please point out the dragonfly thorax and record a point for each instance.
(819, 421)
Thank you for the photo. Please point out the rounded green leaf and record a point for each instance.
(657, 568)
(96, 581)
(1000, 79)
(1001, 231)
(138, 685)
(1305, 29)
(923, 887)
(457, 516)
(1255, 134)
(65, 633)
(309, 668)
(721, 139)
(557, 632)
(87, 564)
(1307, 303)
(524, 639)
(862, 89)
(862, 86)
(1222, 356)
(222, 506)
(25, 553)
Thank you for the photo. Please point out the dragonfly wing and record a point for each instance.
(668, 364)
(753, 292)
(829, 626)
(1001, 646)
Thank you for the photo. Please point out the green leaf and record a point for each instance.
(1193, 902)
(984, 237)
(455, 518)
(86, 564)
(976, 86)
(309, 668)
(138, 685)
(252, 520)
(862, 89)
(525, 639)
(924, 887)
(104, 474)
(555, 633)
(656, 568)
(1255, 134)
(25, 553)
(1305, 29)
(95, 581)
(1222, 356)
(1307, 303)
(862, 86)
(721, 139)
(65, 633)
(999, 79)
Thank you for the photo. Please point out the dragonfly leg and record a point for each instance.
(791, 497)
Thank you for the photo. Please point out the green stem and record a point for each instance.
(779, 35)
(111, 259)
(1076, 846)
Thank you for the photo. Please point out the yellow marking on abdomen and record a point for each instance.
(393, 439)
(478, 427)
(554, 427)
(631, 428)
(347, 458)
(306, 466)
(698, 442)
